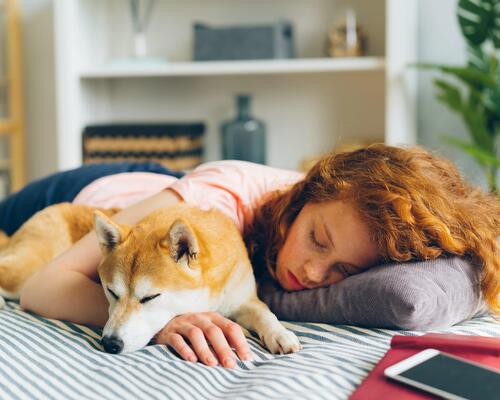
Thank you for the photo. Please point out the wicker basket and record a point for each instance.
(178, 146)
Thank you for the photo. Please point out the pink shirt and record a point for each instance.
(233, 187)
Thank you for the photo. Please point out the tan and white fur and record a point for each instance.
(177, 260)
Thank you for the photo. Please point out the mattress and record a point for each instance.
(48, 359)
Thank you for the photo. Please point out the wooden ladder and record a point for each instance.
(13, 124)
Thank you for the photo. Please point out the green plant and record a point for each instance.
(477, 100)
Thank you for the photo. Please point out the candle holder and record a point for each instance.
(346, 39)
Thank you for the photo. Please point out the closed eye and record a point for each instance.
(347, 269)
(314, 241)
(113, 294)
(149, 298)
(343, 270)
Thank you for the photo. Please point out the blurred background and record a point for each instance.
(273, 81)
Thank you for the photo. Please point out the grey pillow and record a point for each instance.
(414, 295)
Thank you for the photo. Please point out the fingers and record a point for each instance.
(199, 344)
(196, 349)
(190, 335)
(216, 337)
(235, 336)
(178, 343)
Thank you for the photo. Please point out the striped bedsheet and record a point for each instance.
(49, 359)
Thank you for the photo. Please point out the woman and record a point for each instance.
(398, 204)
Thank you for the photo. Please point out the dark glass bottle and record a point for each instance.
(244, 138)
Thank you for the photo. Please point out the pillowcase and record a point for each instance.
(418, 296)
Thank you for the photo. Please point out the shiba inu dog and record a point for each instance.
(177, 260)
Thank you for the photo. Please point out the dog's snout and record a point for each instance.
(112, 344)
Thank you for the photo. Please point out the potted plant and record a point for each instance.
(475, 93)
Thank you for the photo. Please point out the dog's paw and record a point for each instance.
(281, 341)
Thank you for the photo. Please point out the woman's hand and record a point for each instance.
(202, 329)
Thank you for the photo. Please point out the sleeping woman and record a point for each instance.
(312, 239)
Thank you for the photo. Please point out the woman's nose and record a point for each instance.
(315, 272)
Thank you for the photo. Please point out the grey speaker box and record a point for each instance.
(245, 42)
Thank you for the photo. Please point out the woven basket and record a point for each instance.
(177, 146)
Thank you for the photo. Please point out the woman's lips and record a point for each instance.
(294, 282)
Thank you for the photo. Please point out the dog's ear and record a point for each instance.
(109, 234)
(182, 244)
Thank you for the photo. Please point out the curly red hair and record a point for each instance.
(416, 205)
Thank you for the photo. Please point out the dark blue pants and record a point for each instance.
(61, 187)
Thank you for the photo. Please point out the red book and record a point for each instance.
(480, 349)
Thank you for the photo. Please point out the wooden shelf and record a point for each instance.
(129, 69)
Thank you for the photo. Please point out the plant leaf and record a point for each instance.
(495, 29)
(475, 18)
(473, 77)
(449, 94)
(483, 157)
(477, 58)
(472, 113)
(475, 119)
(491, 100)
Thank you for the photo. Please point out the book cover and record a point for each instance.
(480, 349)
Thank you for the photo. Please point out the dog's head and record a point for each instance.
(150, 273)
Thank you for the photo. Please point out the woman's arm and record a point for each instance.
(66, 288)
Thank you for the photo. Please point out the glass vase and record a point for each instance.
(244, 138)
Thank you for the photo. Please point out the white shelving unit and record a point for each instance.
(211, 68)
(309, 103)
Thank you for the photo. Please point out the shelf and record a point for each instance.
(309, 104)
(130, 69)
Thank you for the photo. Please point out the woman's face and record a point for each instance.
(326, 243)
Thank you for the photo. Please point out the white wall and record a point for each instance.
(440, 41)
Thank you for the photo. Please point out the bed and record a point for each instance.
(49, 359)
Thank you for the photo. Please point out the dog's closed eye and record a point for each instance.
(113, 294)
(149, 298)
